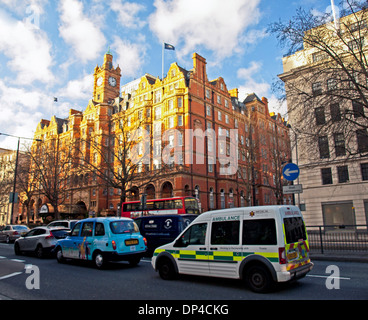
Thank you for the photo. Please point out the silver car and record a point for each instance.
(12, 231)
(40, 240)
(63, 223)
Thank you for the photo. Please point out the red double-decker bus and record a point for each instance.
(177, 205)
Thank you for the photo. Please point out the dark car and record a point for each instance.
(162, 229)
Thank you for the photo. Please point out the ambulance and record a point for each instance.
(262, 245)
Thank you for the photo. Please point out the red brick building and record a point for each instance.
(224, 152)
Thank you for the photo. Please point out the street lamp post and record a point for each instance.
(15, 170)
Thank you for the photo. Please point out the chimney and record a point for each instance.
(199, 66)
(234, 93)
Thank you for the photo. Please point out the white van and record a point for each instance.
(262, 245)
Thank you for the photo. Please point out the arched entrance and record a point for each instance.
(167, 190)
(134, 193)
(80, 210)
(150, 191)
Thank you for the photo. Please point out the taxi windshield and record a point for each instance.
(119, 227)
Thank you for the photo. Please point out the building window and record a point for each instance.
(337, 214)
(180, 102)
(335, 112)
(356, 44)
(157, 96)
(320, 115)
(362, 139)
(222, 199)
(343, 174)
(324, 151)
(339, 144)
(212, 199)
(331, 84)
(171, 105)
(326, 176)
(364, 168)
(219, 115)
(319, 56)
(157, 113)
(358, 109)
(171, 122)
(317, 88)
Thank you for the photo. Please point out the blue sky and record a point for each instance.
(50, 48)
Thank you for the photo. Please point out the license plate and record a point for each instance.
(292, 255)
(131, 242)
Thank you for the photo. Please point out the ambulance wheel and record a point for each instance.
(166, 269)
(259, 279)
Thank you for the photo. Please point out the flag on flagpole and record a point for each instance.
(169, 46)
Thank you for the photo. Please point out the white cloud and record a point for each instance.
(215, 24)
(253, 83)
(128, 13)
(24, 109)
(130, 56)
(250, 85)
(79, 31)
(80, 89)
(28, 49)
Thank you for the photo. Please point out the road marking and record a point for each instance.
(331, 277)
(18, 260)
(144, 260)
(10, 275)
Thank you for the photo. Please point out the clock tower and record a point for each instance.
(106, 80)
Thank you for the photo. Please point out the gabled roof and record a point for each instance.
(252, 97)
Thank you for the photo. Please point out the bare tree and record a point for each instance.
(6, 181)
(51, 169)
(327, 85)
(121, 155)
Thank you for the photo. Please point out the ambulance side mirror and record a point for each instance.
(180, 243)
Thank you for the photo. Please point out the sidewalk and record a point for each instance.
(340, 256)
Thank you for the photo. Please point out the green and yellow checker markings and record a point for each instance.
(217, 256)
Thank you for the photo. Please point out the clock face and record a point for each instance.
(112, 81)
(99, 81)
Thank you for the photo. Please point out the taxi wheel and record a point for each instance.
(166, 269)
(259, 279)
(99, 260)
(134, 261)
(59, 255)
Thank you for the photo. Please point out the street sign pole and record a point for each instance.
(291, 172)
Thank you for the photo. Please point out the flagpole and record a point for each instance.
(334, 15)
(163, 59)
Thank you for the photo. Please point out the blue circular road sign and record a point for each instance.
(290, 171)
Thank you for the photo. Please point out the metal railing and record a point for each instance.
(332, 238)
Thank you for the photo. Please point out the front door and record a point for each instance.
(192, 251)
(69, 244)
(225, 250)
